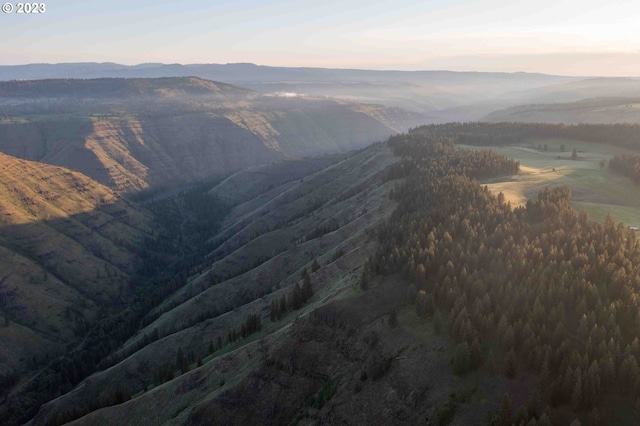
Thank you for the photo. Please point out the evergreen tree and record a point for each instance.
(307, 288)
(576, 395)
(184, 367)
(461, 359)
(364, 281)
(179, 358)
(421, 304)
(491, 362)
(412, 293)
(476, 353)
(544, 420)
(506, 409)
(510, 364)
(393, 318)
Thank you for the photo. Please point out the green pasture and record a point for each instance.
(594, 189)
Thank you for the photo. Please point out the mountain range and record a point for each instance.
(440, 96)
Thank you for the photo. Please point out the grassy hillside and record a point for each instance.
(326, 215)
(68, 248)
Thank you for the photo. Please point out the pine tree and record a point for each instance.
(476, 353)
(461, 359)
(533, 404)
(179, 358)
(594, 417)
(393, 318)
(544, 420)
(520, 416)
(510, 364)
(295, 298)
(576, 395)
(307, 288)
(364, 281)
(491, 362)
(421, 304)
(420, 277)
(505, 415)
(412, 293)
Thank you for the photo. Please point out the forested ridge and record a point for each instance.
(538, 289)
(508, 133)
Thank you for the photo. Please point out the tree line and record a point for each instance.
(627, 165)
(619, 134)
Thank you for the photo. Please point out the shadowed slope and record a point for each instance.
(67, 247)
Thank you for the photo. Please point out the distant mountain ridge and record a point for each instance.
(442, 96)
(117, 88)
(607, 110)
(238, 72)
(419, 91)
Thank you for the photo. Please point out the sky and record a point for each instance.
(566, 37)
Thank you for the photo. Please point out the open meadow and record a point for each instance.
(594, 189)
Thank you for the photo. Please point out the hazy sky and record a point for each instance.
(585, 37)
